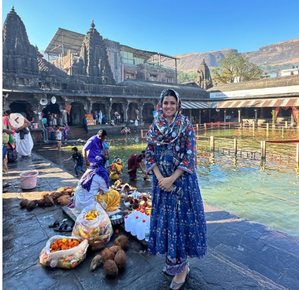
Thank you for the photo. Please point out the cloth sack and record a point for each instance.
(12, 154)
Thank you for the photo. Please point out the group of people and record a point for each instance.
(177, 225)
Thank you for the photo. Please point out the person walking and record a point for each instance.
(94, 146)
(178, 225)
(78, 160)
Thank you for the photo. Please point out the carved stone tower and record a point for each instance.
(204, 79)
(93, 61)
(19, 56)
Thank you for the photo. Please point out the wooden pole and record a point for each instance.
(263, 149)
(235, 146)
(212, 143)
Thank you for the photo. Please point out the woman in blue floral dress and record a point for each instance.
(178, 226)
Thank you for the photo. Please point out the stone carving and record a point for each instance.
(93, 61)
(204, 79)
(19, 56)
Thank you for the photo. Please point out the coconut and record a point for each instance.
(96, 262)
(120, 259)
(31, 204)
(48, 200)
(24, 202)
(121, 241)
(107, 254)
(110, 268)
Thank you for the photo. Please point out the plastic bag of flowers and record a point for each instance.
(63, 252)
(92, 222)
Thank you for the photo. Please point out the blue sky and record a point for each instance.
(169, 27)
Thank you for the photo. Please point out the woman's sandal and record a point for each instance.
(175, 285)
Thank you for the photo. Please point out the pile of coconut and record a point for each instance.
(112, 259)
(61, 196)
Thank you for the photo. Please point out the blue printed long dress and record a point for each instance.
(178, 226)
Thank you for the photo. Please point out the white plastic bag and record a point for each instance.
(99, 226)
(65, 258)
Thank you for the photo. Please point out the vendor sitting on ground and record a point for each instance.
(135, 161)
(116, 168)
(94, 185)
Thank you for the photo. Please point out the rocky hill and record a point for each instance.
(279, 54)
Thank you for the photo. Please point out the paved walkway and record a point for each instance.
(241, 255)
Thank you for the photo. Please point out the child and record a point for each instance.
(78, 159)
(59, 138)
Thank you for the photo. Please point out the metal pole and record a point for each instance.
(235, 146)
(263, 149)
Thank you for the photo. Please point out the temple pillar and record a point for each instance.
(140, 108)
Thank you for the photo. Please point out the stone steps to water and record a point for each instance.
(269, 257)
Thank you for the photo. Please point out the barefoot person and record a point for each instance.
(178, 226)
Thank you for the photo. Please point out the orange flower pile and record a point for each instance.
(64, 244)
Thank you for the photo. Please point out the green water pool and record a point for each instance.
(269, 196)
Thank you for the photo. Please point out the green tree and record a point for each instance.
(186, 77)
(235, 66)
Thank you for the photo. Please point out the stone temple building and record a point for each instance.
(91, 78)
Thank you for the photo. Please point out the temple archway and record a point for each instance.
(147, 112)
(77, 114)
(132, 111)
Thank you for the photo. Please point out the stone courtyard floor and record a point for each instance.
(241, 255)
